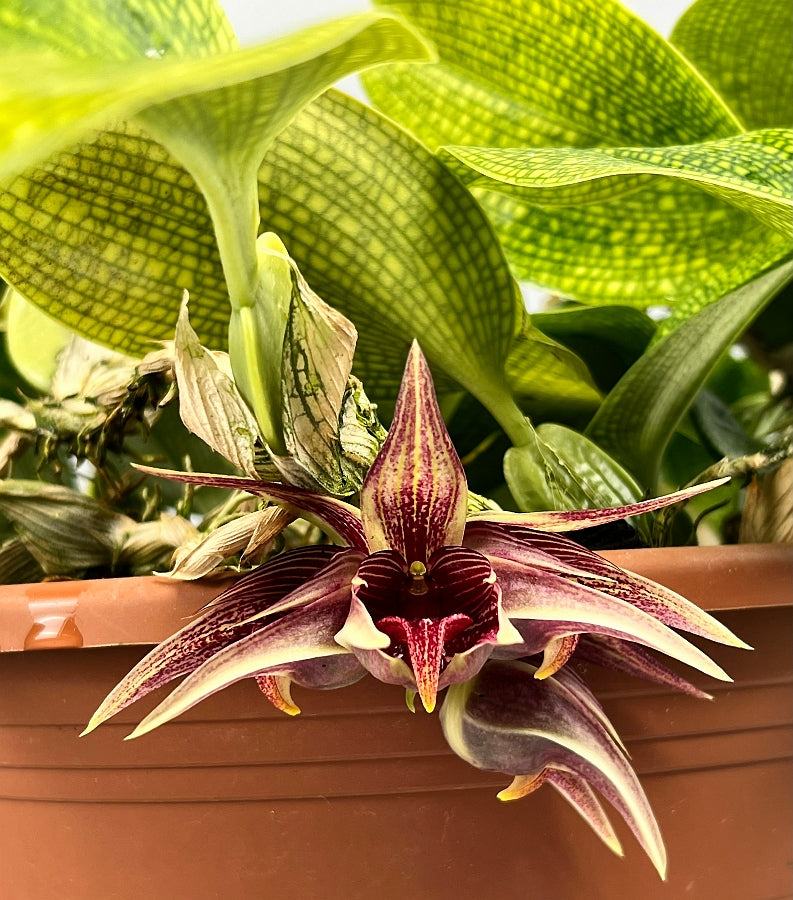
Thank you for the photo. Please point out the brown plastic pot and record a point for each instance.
(357, 798)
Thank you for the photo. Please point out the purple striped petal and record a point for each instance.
(519, 543)
(305, 635)
(576, 791)
(571, 520)
(426, 616)
(298, 575)
(624, 656)
(341, 517)
(506, 720)
(415, 495)
(564, 607)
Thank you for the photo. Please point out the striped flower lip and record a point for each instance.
(420, 595)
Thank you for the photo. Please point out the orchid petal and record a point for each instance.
(573, 519)
(624, 656)
(431, 616)
(519, 543)
(530, 547)
(576, 791)
(506, 720)
(425, 640)
(414, 498)
(304, 635)
(319, 674)
(359, 631)
(343, 518)
(278, 690)
(534, 595)
(555, 654)
(224, 621)
(336, 576)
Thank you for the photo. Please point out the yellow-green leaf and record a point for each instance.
(670, 218)
(639, 416)
(753, 172)
(515, 73)
(745, 50)
(106, 239)
(547, 379)
(178, 69)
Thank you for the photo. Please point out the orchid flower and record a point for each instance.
(422, 595)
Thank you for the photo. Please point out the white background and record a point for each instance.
(258, 20)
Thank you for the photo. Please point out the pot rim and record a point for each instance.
(145, 610)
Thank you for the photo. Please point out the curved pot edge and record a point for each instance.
(147, 609)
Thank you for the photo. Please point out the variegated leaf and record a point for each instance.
(209, 403)
(745, 50)
(643, 236)
(317, 359)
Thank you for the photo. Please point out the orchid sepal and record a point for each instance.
(574, 519)
(506, 720)
(300, 637)
(576, 791)
(330, 513)
(414, 499)
(560, 607)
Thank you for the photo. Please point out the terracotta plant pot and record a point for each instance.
(357, 798)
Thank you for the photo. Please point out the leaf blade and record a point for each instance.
(640, 414)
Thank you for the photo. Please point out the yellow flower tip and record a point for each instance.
(94, 723)
(555, 655)
(428, 699)
(521, 786)
(278, 690)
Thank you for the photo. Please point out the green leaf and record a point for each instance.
(752, 172)
(65, 531)
(667, 244)
(33, 340)
(638, 417)
(576, 75)
(562, 469)
(547, 379)
(178, 68)
(378, 226)
(745, 50)
(609, 339)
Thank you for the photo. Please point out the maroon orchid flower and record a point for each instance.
(421, 596)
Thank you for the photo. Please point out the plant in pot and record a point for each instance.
(387, 233)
